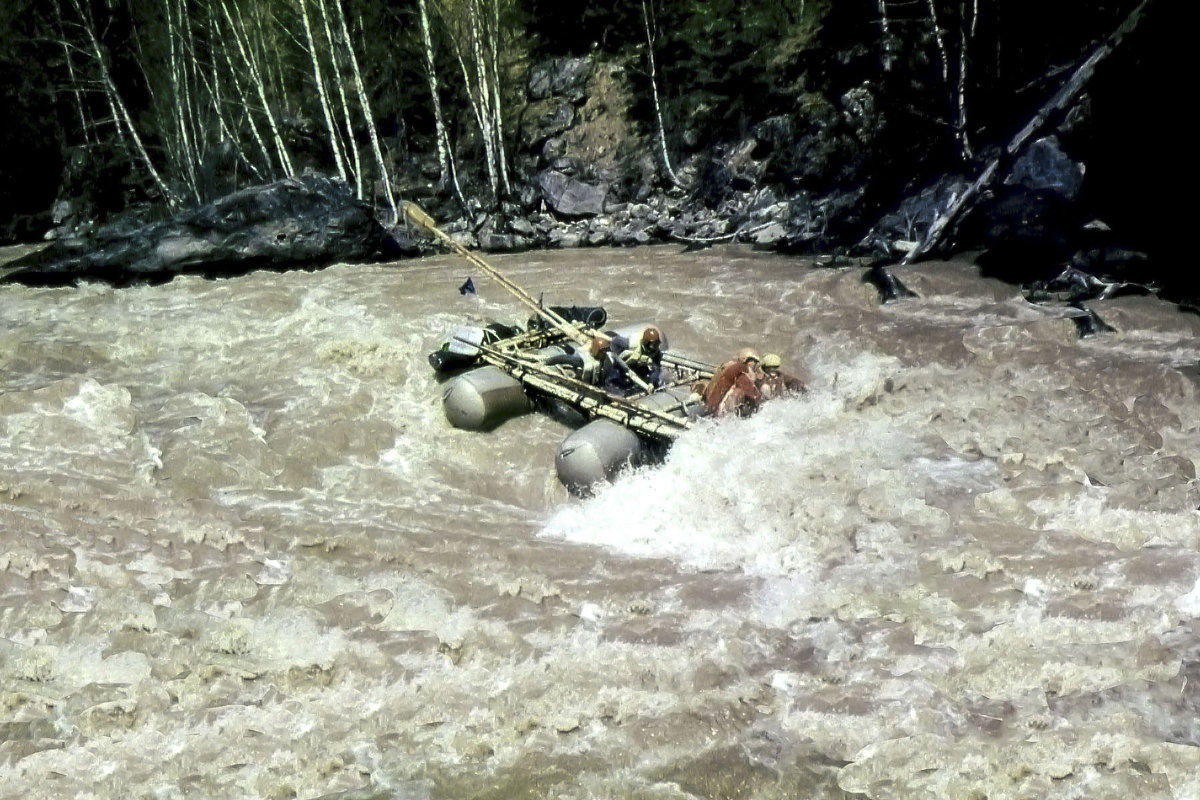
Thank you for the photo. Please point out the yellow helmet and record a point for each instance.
(771, 361)
(747, 354)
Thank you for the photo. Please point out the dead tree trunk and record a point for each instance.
(1052, 110)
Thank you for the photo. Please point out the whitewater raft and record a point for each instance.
(497, 372)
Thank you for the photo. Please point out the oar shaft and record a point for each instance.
(424, 221)
(586, 389)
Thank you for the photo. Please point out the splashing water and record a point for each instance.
(244, 555)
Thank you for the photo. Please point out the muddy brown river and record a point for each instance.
(242, 554)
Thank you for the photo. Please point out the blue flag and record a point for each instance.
(467, 288)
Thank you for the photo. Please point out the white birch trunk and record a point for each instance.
(246, 107)
(326, 111)
(256, 79)
(213, 84)
(497, 95)
(185, 159)
(443, 142)
(199, 129)
(482, 121)
(662, 131)
(484, 87)
(960, 124)
(940, 41)
(114, 99)
(885, 57)
(84, 125)
(366, 110)
(340, 82)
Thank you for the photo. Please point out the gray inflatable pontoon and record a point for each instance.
(602, 448)
(481, 399)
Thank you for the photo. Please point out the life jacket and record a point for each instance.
(730, 388)
(778, 384)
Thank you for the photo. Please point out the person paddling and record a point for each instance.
(643, 357)
(774, 381)
(734, 386)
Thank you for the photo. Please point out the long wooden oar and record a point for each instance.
(651, 421)
(417, 216)
(530, 363)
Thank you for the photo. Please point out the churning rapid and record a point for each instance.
(244, 555)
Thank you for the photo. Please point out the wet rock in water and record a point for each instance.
(300, 222)
(1111, 261)
(1029, 233)
(522, 227)
(896, 231)
(630, 234)
(598, 237)
(1089, 323)
(502, 242)
(565, 238)
(889, 286)
(766, 238)
(570, 197)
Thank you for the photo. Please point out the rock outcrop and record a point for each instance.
(301, 222)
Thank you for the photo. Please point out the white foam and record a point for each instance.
(761, 494)
(1190, 603)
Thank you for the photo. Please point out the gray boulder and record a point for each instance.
(562, 77)
(300, 222)
(570, 197)
(544, 119)
(1044, 166)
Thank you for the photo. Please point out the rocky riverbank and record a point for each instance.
(586, 171)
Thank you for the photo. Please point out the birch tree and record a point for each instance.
(244, 103)
(366, 111)
(85, 124)
(474, 33)
(966, 38)
(661, 134)
(448, 172)
(120, 110)
(238, 31)
(887, 46)
(319, 80)
(340, 85)
(956, 87)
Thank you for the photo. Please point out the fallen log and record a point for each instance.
(1051, 111)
